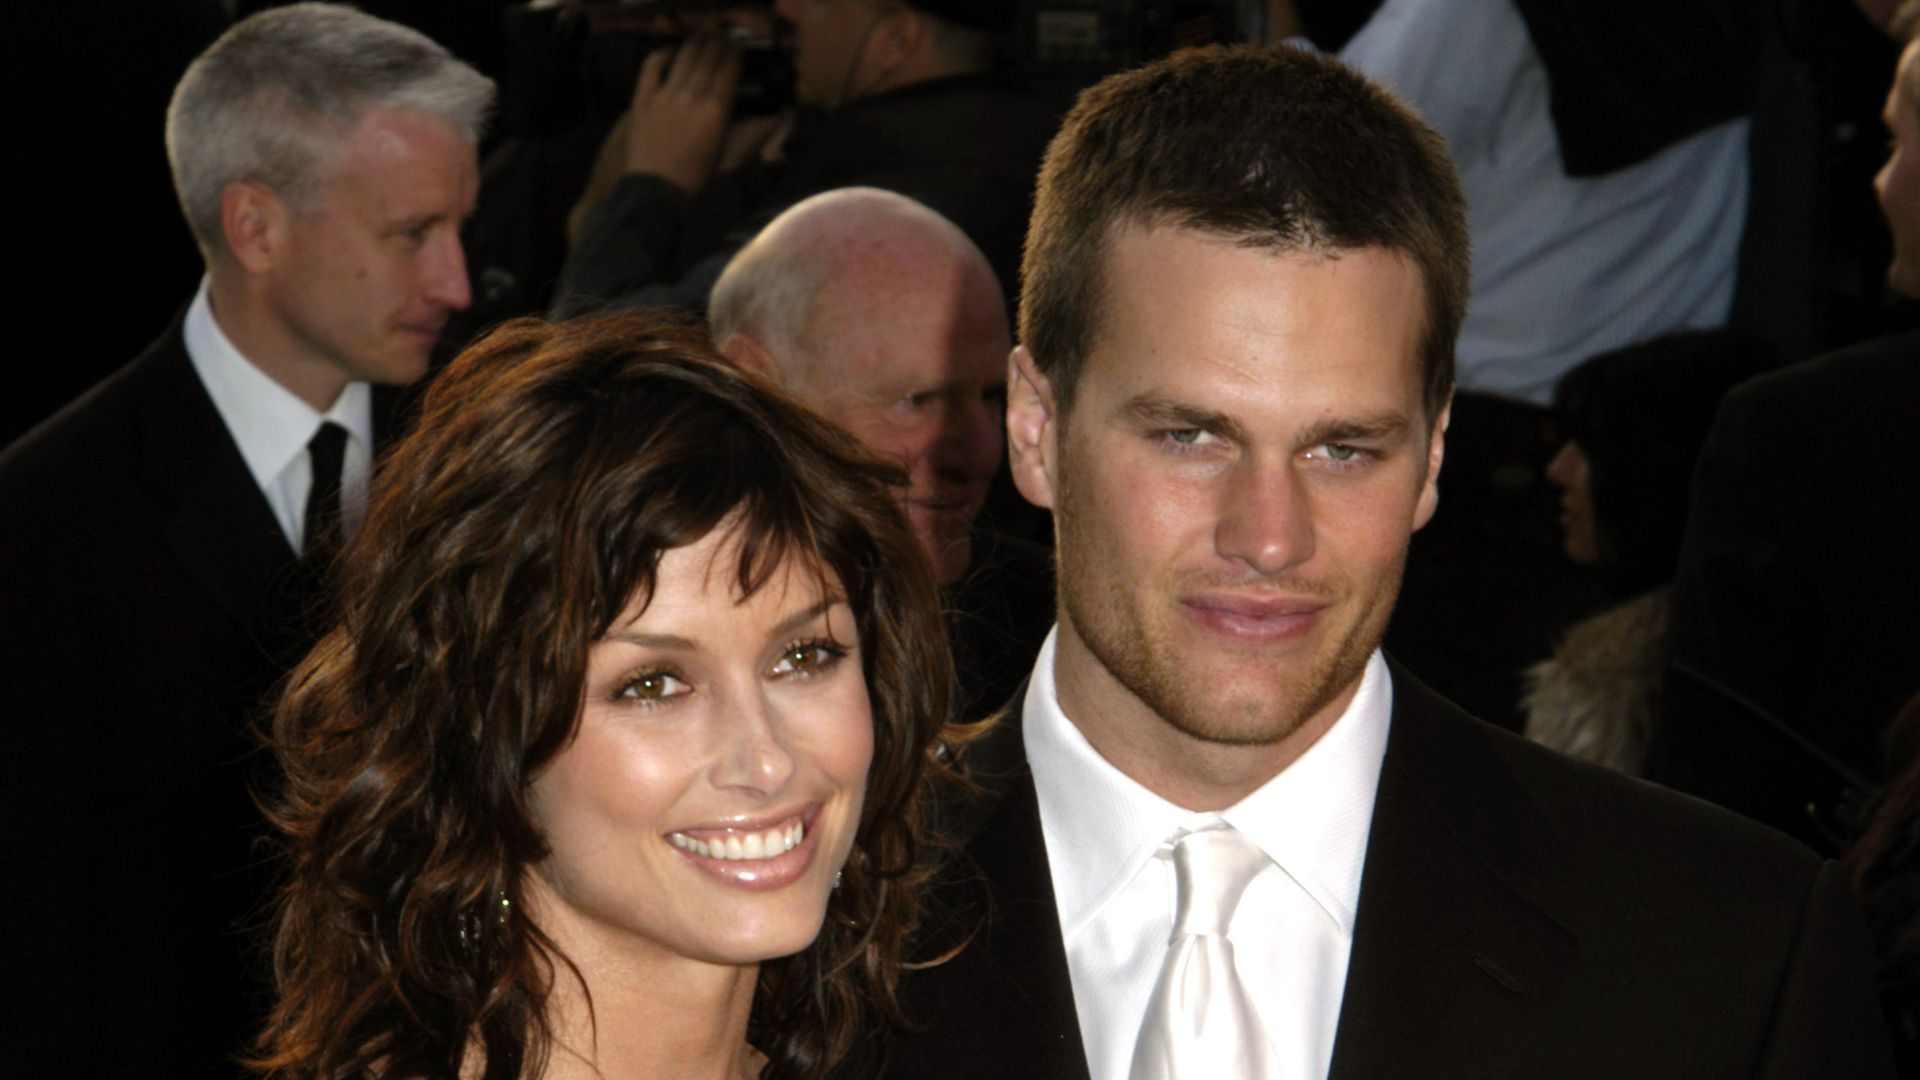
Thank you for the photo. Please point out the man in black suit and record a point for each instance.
(161, 535)
(1796, 605)
(1243, 280)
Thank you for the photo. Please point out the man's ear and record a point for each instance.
(1436, 450)
(1033, 429)
(253, 222)
(747, 353)
(898, 37)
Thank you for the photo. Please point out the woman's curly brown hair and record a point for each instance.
(551, 467)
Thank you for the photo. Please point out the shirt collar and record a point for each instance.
(269, 423)
(1101, 826)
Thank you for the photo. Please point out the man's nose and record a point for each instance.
(1265, 517)
(970, 443)
(445, 273)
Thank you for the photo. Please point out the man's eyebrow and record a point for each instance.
(415, 221)
(1152, 410)
(1155, 411)
(1383, 427)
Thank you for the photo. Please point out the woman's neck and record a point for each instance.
(651, 1016)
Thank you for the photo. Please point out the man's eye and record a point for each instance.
(808, 657)
(653, 686)
(1189, 436)
(1342, 453)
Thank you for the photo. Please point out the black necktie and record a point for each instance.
(328, 451)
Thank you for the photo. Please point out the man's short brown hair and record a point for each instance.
(1270, 146)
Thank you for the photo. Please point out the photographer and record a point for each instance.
(891, 94)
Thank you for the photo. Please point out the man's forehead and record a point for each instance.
(1205, 317)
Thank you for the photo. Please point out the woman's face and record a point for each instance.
(714, 787)
(1580, 533)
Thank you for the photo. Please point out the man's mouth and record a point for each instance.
(964, 501)
(1257, 619)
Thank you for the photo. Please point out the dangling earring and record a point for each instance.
(837, 876)
(471, 925)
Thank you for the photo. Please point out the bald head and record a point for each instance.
(883, 316)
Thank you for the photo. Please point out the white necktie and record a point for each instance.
(1200, 1023)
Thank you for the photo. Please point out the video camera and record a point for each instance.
(579, 59)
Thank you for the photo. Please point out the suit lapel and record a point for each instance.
(1451, 953)
(219, 526)
(1003, 1006)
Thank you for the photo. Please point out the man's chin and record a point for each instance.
(945, 532)
(948, 550)
(1903, 281)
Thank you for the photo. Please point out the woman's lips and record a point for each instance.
(1257, 619)
(752, 855)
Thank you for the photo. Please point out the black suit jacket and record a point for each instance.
(148, 603)
(1521, 915)
(1796, 605)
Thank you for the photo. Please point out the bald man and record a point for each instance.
(883, 316)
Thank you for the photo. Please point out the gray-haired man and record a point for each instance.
(150, 547)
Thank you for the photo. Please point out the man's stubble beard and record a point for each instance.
(1118, 631)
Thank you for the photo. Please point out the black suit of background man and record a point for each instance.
(150, 593)
(151, 602)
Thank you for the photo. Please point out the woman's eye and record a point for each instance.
(653, 686)
(806, 657)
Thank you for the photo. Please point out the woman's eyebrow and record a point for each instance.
(801, 618)
(675, 641)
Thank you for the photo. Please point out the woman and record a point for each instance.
(1635, 420)
(630, 695)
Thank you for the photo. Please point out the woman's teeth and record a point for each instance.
(739, 846)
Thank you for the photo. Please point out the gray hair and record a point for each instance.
(271, 101)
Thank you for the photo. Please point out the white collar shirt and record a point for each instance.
(1564, 267)
(1107, 847)
(271, 425)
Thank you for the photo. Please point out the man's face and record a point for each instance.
(364, 281)
(1245, 462)
(1898, 184)
(829, 37)
(919, 373)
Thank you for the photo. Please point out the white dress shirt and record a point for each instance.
(1113, 879)
(272, 426)
(1563, 267)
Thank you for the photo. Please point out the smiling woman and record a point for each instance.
(614, 759)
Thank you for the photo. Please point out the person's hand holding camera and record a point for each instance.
(681, 104)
